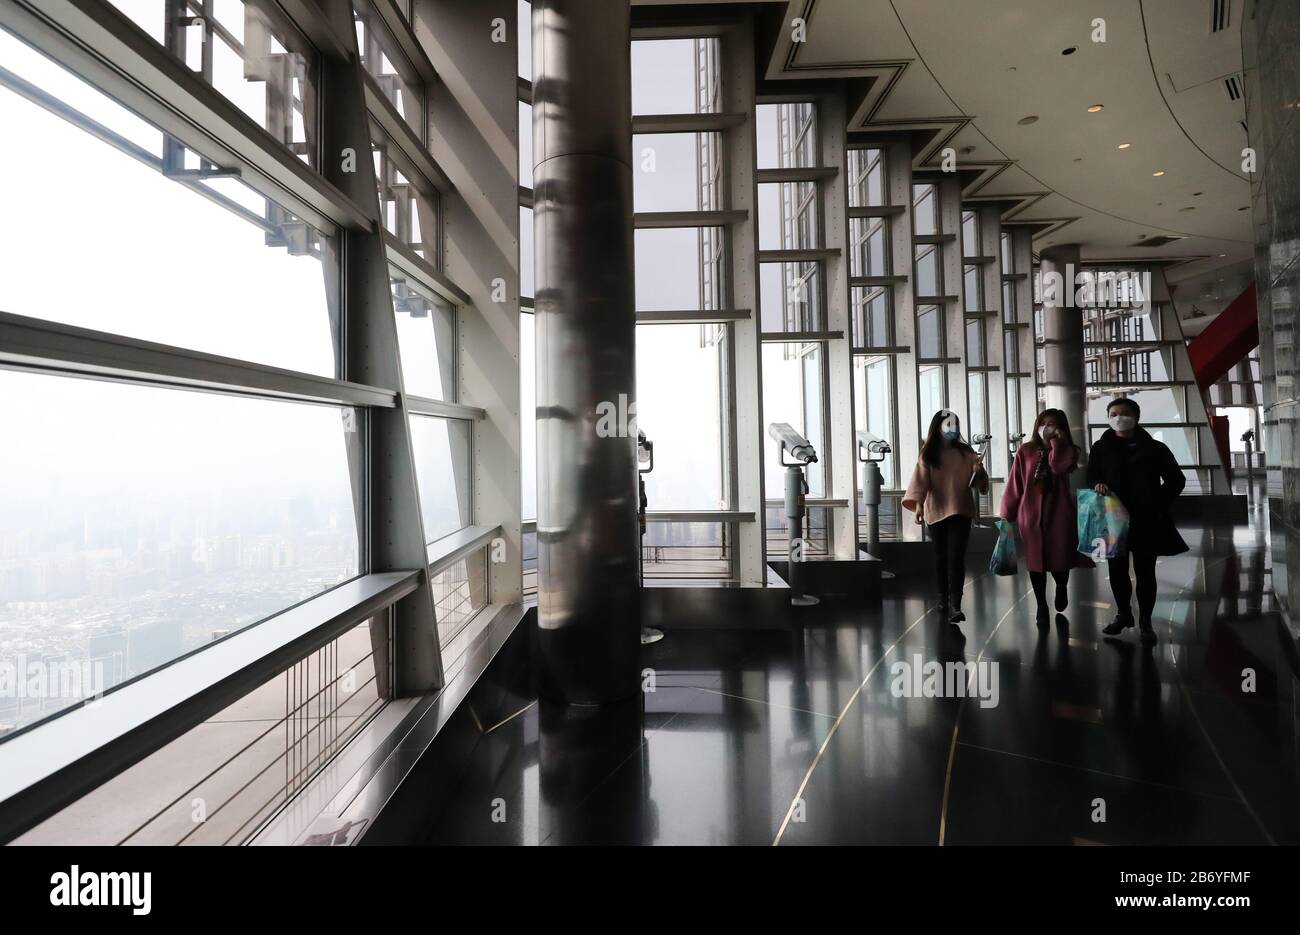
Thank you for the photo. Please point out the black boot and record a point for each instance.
(942, 609)
(1146, 632)
(1118, 625)
(957, 616)
(1043, 616)
(1062, 600)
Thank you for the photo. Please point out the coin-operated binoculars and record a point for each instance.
(872, 450)
(802, 453)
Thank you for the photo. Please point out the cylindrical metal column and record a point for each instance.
(587, 535)
(1064, 385)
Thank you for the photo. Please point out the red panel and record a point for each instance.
(1226, 340)
(1219, 426)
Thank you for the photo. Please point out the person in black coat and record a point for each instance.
(1127, 462)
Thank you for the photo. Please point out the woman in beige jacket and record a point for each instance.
(940, 495)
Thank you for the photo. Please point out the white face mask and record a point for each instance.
(1122, 423)
(1048, 431)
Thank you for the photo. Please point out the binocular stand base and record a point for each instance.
(650, 635)
(804, 600)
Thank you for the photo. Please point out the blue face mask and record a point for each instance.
(951, 434)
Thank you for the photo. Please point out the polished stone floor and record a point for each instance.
(810, 736)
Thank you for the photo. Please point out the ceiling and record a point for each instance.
(966, 74)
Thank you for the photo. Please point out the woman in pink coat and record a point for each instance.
(1039, 500)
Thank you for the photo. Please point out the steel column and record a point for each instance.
(587, 530)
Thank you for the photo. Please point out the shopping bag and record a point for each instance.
(1003, 559)
(1103, 525)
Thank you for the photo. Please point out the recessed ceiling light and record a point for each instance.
(1244, 208)
(1124, 145)
(1188, 208)
(1223, 254)
(1078, 159)
(1070, 51)
(1026, 121)
(1094, 108)
(1158, 173)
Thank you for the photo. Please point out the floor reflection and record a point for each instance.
(741, 737)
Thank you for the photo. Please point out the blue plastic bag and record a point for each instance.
(1103, 525)
(1003, 560)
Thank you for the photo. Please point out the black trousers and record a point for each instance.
(1144, 568)
(951, 537)
(1039, 580)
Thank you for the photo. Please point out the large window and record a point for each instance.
(787, 135)
(408, 203)
(395, 75)
(679, 268)
(224, 270)
(680, 405)
(676, 172)
(426, 338)
(794, 377)
(675, 76)
(442, 459)
(250, 52)
(138, 523)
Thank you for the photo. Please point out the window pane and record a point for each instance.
(790, 295)
(873, 383)
(792, 392)
(867, 178)
(251, 53)
(676, 172)
(925, 210)
(459, 592)
(929, 278)
(929, 332)
(1008, 256)
(408, 204)
(243, 762)
(869, 238)
(786, 135)
(1009, 301)
(787, 216)
(178, 268)
(675, 76)
(972, 291)
(679, 268)
(688, 550)
(933, 393)
(442, 462)
(426, 338)
(975, 356)
(528, 413)
(1165, 404)
(524, 17)
(872, 320)
(970, 234)
(383, 59)
(140, 523)
(977, 392)
(526, 252)
(679, 405)
(525, 145)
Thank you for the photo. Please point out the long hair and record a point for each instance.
(932, 450)
(1062, 426)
